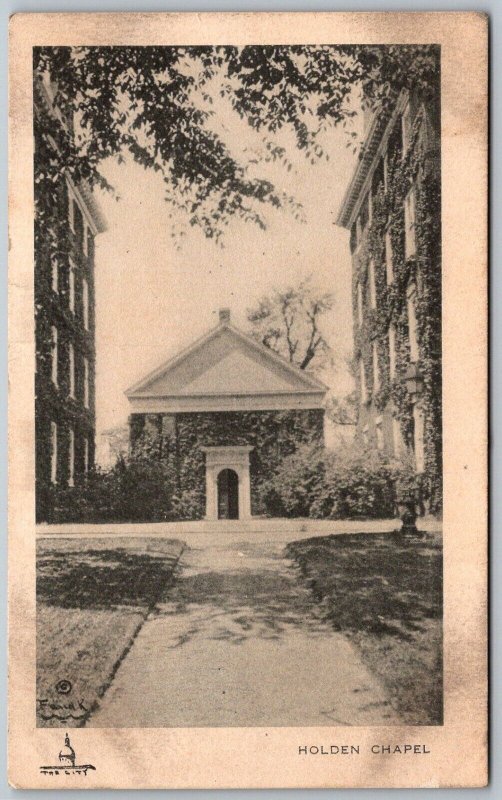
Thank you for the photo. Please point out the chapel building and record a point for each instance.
(222, 414)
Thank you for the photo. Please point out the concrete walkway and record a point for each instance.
(239, 642)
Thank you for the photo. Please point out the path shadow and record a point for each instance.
(239, 604)
(97, 579)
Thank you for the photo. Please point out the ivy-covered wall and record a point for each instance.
(419, 167)
(178, 440)
(55, 242)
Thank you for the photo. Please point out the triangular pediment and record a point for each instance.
(225, 362)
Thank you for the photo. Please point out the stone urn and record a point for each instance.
(408, 515)
(406, 501)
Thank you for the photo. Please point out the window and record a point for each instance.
(71, 367)
(379, 433)
(372, 284)
(389, 269)
(359, 304)
(71, 458)
(365, 434)
(411, 296)
(85, 303)
(376, 371)
(409, 224)
(54, 355)
(362, 377)
(85, 237)
(71, 286)
(378, 179)
(54, 452)
(78, 225)
(90, 244)
(86, 383)
(418, 438)
(86, 454)
(385, 172)
(406, 128)
(364, 214)
(396, 437)
(54, 275)
(71, 209)
(353, 237)
(392, 352)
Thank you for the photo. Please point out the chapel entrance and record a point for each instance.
(228, 484)
(228, 494)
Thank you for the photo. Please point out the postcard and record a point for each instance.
(248, 400)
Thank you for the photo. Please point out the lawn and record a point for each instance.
(93, 595)
(385, 593)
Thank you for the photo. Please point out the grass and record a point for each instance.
(92, 598)
(385, 592)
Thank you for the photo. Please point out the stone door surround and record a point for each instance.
(234, 457)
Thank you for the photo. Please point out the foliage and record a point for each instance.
(155, 103)
(357, 483)
(164, 478)
(387, 596)
(136, 489)
(55, 244)
(288, 322)
(423, 269)
(271, 434)
(103, 574)
(349, 483)
(408, 485)
(297, 480)
(292, 474)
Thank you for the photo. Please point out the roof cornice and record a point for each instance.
(371, 149)
(83, 191)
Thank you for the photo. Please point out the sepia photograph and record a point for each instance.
(238, 388)
(248, 400)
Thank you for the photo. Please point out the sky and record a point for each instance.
(152, 298)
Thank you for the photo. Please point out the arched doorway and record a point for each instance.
(236, 487)
(228, 494)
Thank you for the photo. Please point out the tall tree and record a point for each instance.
(289, 322)
(155, 103)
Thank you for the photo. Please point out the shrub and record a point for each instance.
(144, 490)
(93, 499)
(348, 483)
(141, 488)
(189, 504)
(298, 478)
(310, 482)
(136, 490)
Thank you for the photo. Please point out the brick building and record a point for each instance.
(392, 209)
(64, 314)
(221, 415)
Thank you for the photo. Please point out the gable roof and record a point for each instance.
(226, 361)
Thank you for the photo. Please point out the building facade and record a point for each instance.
(221, 415)
(392, 208)
(65, 230)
